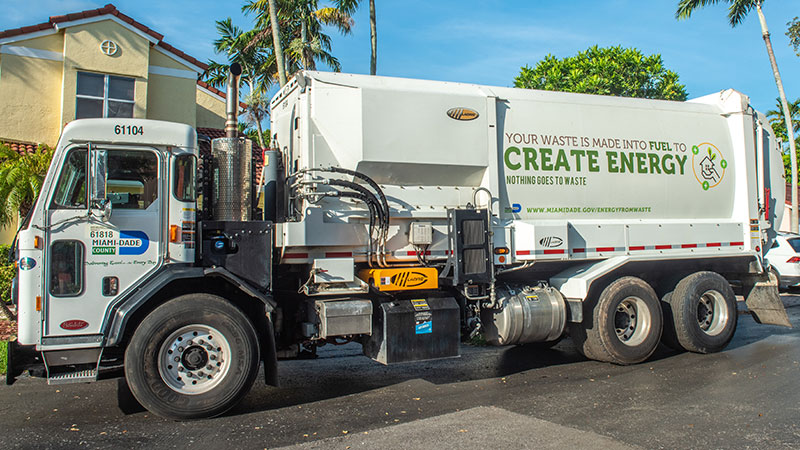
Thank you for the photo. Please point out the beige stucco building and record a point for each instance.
(96, 63)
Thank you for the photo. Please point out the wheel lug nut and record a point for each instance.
(180, 349)
(177, 359)
(200, 342)
(213, 357)
(200, 374)
(189, 342)
(188, 374)
(180, 369)
(209, 367)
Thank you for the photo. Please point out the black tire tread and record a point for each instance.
(684, 308)
(175, 313)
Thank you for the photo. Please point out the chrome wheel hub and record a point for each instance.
(194, 359)
(712, 313)
(632, 321)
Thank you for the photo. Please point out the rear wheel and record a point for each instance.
(195, 356)
(626, 324)
(703, 312)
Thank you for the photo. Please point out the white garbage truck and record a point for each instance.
(404, 215)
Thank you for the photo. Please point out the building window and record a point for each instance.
(103, 96)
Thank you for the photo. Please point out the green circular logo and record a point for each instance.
(705, 185)
(695, 149)
(724, 164)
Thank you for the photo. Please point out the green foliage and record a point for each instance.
(7, 273)
(21, 178)
(737, 11)
(776, 120)
(794, 34)
(624, 72)
(301, 29)
(3, 357)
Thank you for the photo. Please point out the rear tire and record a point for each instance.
(626, 324)
(704, 312)
(193, 357)
(668, 336)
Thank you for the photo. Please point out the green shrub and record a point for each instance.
(7, 273)
(3, 356)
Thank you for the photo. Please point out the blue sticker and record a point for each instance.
(27, 263)
(516, 207)
(132, 242)
(424, 327)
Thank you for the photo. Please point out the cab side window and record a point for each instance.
(71, 188)
(132, 179)
(66, 268)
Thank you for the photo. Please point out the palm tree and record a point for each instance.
(301, 24)
(276, 41)
(257, 65)
(778, 123)
(350, 6)
(736, 14)
(21, 177)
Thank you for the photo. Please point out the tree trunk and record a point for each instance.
(373, 34)
(276, 42)
(258, 122)
(786, 114)
(307, 57)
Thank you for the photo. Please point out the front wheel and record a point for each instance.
(195, 356)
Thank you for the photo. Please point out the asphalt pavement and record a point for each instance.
(509, 397)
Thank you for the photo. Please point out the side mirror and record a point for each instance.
(98, 176)
(98, 167)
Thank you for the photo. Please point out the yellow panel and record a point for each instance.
(401, 278)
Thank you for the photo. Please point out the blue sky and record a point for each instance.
(487, 42)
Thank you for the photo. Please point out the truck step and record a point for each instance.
(78, 376)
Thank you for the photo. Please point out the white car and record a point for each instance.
(784, 258)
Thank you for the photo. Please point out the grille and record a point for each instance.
(474, 261)
(472, 232)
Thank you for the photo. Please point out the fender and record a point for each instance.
(118, 315)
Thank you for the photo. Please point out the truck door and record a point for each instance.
(91, 259)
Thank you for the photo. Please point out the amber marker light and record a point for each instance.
(174, 233)
(501, 250)
(38, 303)
(37, 242)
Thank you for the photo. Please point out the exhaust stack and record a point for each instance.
(232, 103)
(231, 198)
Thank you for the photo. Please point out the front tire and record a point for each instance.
(704, 312)
(626, 324)
(193, 357)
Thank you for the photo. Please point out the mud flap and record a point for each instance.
(765, 303)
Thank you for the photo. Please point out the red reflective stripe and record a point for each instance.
(578, 250)
(523, 252)
(688, 245)
(604, 249)
(413, 253)
(714, 244)
(737, 243)
(637, 247)
(338, 254)
(554, 252)
(295, 255)
(663, 247)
